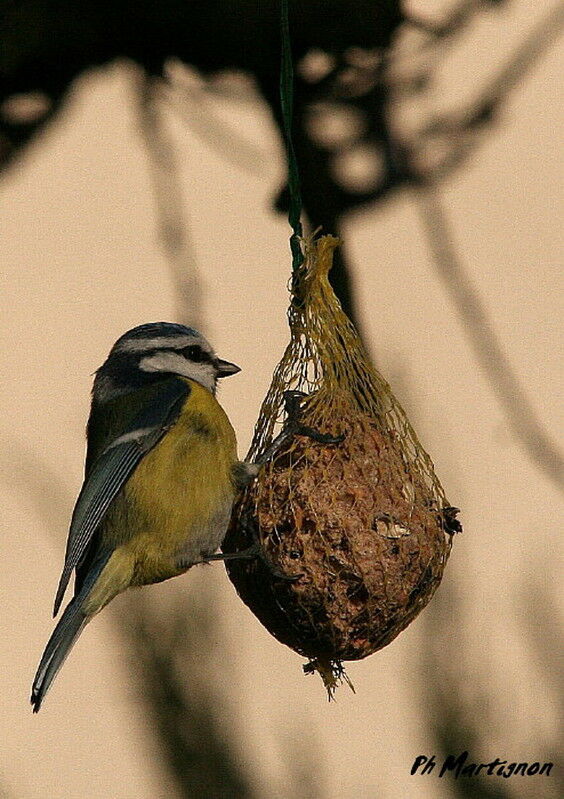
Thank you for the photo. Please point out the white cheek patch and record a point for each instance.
(174, 363)
(164, 362)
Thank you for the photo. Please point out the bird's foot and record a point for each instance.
(245, 472)
(255, 550)
(294, 427)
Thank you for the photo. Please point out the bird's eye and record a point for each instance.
(195, 353)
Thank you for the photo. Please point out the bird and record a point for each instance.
(161, 477)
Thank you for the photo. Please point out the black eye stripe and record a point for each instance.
(195, 353)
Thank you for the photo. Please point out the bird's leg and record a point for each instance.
(245, 471)
(255, 550)
(294, 427)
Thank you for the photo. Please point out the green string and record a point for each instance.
(287, 103)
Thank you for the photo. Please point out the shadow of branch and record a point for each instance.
(177, 688)
(457, 698)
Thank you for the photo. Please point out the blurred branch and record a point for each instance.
(303, 772)
(542, 622)
(42, 486)
(483, 339)
(541, 616)
(457, 705)
(192, 104)
(453, 719)
(461, 131)
(178, 657)
(538, 40)
(177, 688)
(456, 20)
(169, 203)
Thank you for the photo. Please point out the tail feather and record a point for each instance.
(65, 634)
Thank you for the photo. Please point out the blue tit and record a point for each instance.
(160, 479)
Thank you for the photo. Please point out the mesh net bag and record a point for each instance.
(362, 526)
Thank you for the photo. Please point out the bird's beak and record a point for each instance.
(224, 368)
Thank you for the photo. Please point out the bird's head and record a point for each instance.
(155, 351)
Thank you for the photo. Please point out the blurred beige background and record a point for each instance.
(81, 263)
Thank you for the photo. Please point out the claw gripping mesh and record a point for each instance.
(361, 526)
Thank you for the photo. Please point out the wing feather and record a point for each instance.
(111, 470)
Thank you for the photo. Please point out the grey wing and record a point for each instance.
(112, 469)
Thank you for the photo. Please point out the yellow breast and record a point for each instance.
(176, 506)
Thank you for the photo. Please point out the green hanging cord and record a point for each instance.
(287, 103)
